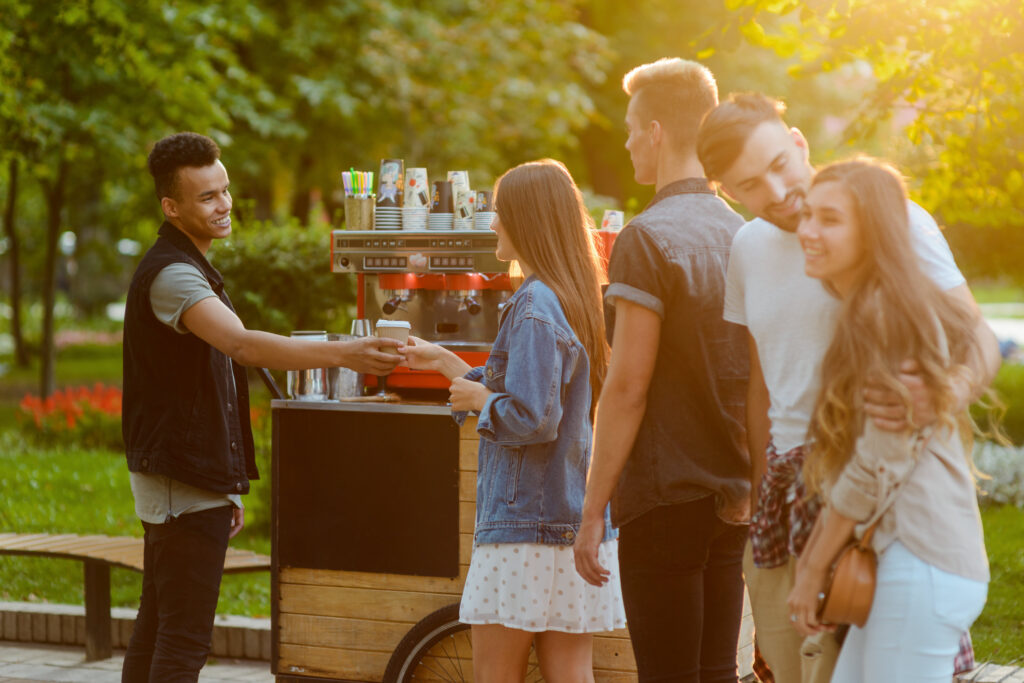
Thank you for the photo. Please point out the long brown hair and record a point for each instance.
(542, 211)
(892, 312)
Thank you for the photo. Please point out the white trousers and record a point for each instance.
(915, 624)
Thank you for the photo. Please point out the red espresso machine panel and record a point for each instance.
(447, 284)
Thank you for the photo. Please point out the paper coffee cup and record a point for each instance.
(417, 190)
(465, 200)
(612, 220)
(393, 329)
(459, 180)
(390, 182)
(443, 199)
(483, 200)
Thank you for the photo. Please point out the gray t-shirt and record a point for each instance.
(158, 498)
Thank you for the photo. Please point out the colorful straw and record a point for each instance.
(357, 183)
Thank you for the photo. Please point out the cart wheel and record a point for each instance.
(438, 648)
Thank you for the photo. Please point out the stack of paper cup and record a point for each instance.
(465, 201)
(484, 213)
(417, 188)
(387, 218)
(414, 217)
(442, 206)
(417, 199)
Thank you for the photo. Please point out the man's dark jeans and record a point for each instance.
(183, 564)
(682, 585)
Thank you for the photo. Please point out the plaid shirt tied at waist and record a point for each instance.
(785, 514)
(782, 524)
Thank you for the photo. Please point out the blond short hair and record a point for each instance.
(677, 93)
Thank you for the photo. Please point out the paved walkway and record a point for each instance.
(33, 662)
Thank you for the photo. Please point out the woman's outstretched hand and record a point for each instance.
(420, 354)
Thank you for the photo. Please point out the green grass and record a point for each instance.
(87, 492)
(996, 292)
(71, 490)
(999, 632)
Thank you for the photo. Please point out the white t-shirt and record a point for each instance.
(792, 318)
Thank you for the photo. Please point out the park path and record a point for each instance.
(32, 662)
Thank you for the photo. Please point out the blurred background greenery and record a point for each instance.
(295, 93)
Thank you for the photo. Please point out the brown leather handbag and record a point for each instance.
(851, 585)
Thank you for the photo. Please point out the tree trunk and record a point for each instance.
(20, 352)
(54, 193)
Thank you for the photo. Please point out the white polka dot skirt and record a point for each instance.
(534, 587)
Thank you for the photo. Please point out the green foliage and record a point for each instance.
(998, 633)
(1009, 388)
(279, 278)
(952, 72)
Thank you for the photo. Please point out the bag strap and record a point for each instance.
(921, 440)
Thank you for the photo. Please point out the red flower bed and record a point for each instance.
(87, 417)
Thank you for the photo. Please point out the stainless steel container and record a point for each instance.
(343, 382)
(308, 385)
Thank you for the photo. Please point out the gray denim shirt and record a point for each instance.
(672, 259)
(535, 429)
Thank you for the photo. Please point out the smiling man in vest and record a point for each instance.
(185, 415)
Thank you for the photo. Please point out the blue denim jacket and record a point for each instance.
(535, 429)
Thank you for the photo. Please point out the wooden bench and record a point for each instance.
(99, 554)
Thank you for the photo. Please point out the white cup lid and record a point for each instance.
(394, 323)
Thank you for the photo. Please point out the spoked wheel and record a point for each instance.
(438, 648)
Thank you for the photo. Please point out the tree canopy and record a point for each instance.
(951, 72)
(296, 92)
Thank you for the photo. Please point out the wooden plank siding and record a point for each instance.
(346, 625)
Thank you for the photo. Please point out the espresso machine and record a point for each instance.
(448, 285)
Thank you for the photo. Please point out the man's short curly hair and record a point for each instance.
(177, 151)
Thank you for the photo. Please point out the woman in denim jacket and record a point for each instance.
(535, 399)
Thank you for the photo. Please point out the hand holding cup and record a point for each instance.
(371, 355)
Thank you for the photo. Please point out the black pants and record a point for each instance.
(682, 585)
(182, 568)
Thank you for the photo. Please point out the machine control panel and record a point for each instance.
(427, 252)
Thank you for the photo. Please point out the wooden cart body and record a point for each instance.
(341, 624)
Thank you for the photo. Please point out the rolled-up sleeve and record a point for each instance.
(529, 410)
(880, 460)
(637, 271)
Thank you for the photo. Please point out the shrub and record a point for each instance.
(1009, 386)
(279, 278)
(1003, 470)
(89, 418)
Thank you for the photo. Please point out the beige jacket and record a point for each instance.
(926, 482)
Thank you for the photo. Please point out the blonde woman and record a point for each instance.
(933, 572)
(535, 399)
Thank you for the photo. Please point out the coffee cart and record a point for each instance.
(374, 502)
